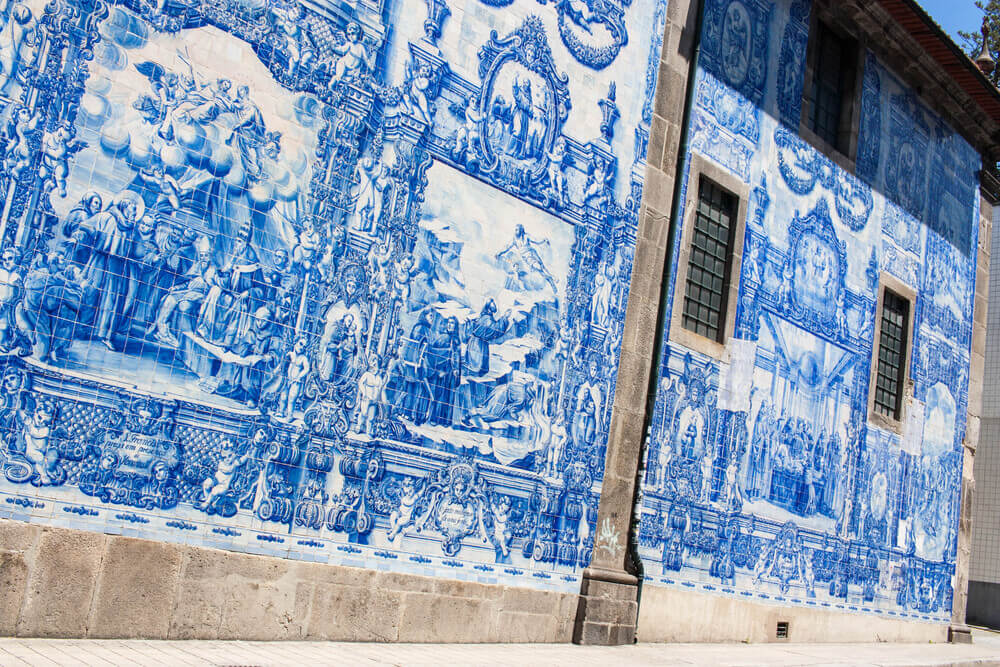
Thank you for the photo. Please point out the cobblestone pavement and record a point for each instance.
(985, 651)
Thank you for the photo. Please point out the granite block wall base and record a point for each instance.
(671, 614)
(122, 587)
(71, 583)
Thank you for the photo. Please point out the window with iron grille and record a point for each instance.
(831, 91)
(892, 346)
(709, 261)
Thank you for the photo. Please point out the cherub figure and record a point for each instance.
(597, 183)
(21, 128)
(37, 431)
(169, 189)
(467, 135)
(707, 462)
(370, 386)
(11, 289)
(731, 497)
(416, 88)
(557, 443)
(296, 368)
(584, 12)
(58, 146)
(501, 533)
(219, 483)
(379, 262)
(557, 177)
(297, 42)
(373, 181)
(307, 245)
(354, 57)
(842, 327)
(785, 288)
(402, 273)
(405, 513)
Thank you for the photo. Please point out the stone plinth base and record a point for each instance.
(959, 634)
(607, 609)
(672, 615)
(57, 582)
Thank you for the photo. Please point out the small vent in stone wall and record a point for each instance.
(781, 632)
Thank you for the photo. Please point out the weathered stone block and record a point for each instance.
(135, 589)
(659, 190)
(429, 617)
(527, 600)
(13, 584)
(521, 627)
(351, 613)
(61, 584)
(263, 610)
(657, 140)
(610, 610)
(17, 535)
(467, 589)
(395, 581)
(347, 576)
(670, 91)
(198, 608)
(593, 634)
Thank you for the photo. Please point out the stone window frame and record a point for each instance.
(909, 294)
(702, 167)
(852, 126)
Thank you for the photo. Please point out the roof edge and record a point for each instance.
(961, 57)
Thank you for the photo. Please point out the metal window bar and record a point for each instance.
(891, 355)
(827, 89)
(709, 262)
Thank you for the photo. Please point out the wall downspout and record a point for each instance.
(662, 316)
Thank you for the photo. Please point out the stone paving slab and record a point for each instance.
(985, 651)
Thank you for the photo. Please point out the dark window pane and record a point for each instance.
(708, 265)
(892, 344)
(832, 68)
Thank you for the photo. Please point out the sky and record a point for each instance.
(954, 15)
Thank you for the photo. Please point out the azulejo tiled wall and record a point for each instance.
(331, 281)
(765, 478)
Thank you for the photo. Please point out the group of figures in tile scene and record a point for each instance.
(288, 278)
(311, 279)
(765, 478)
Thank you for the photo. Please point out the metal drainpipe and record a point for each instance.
(662, 317)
